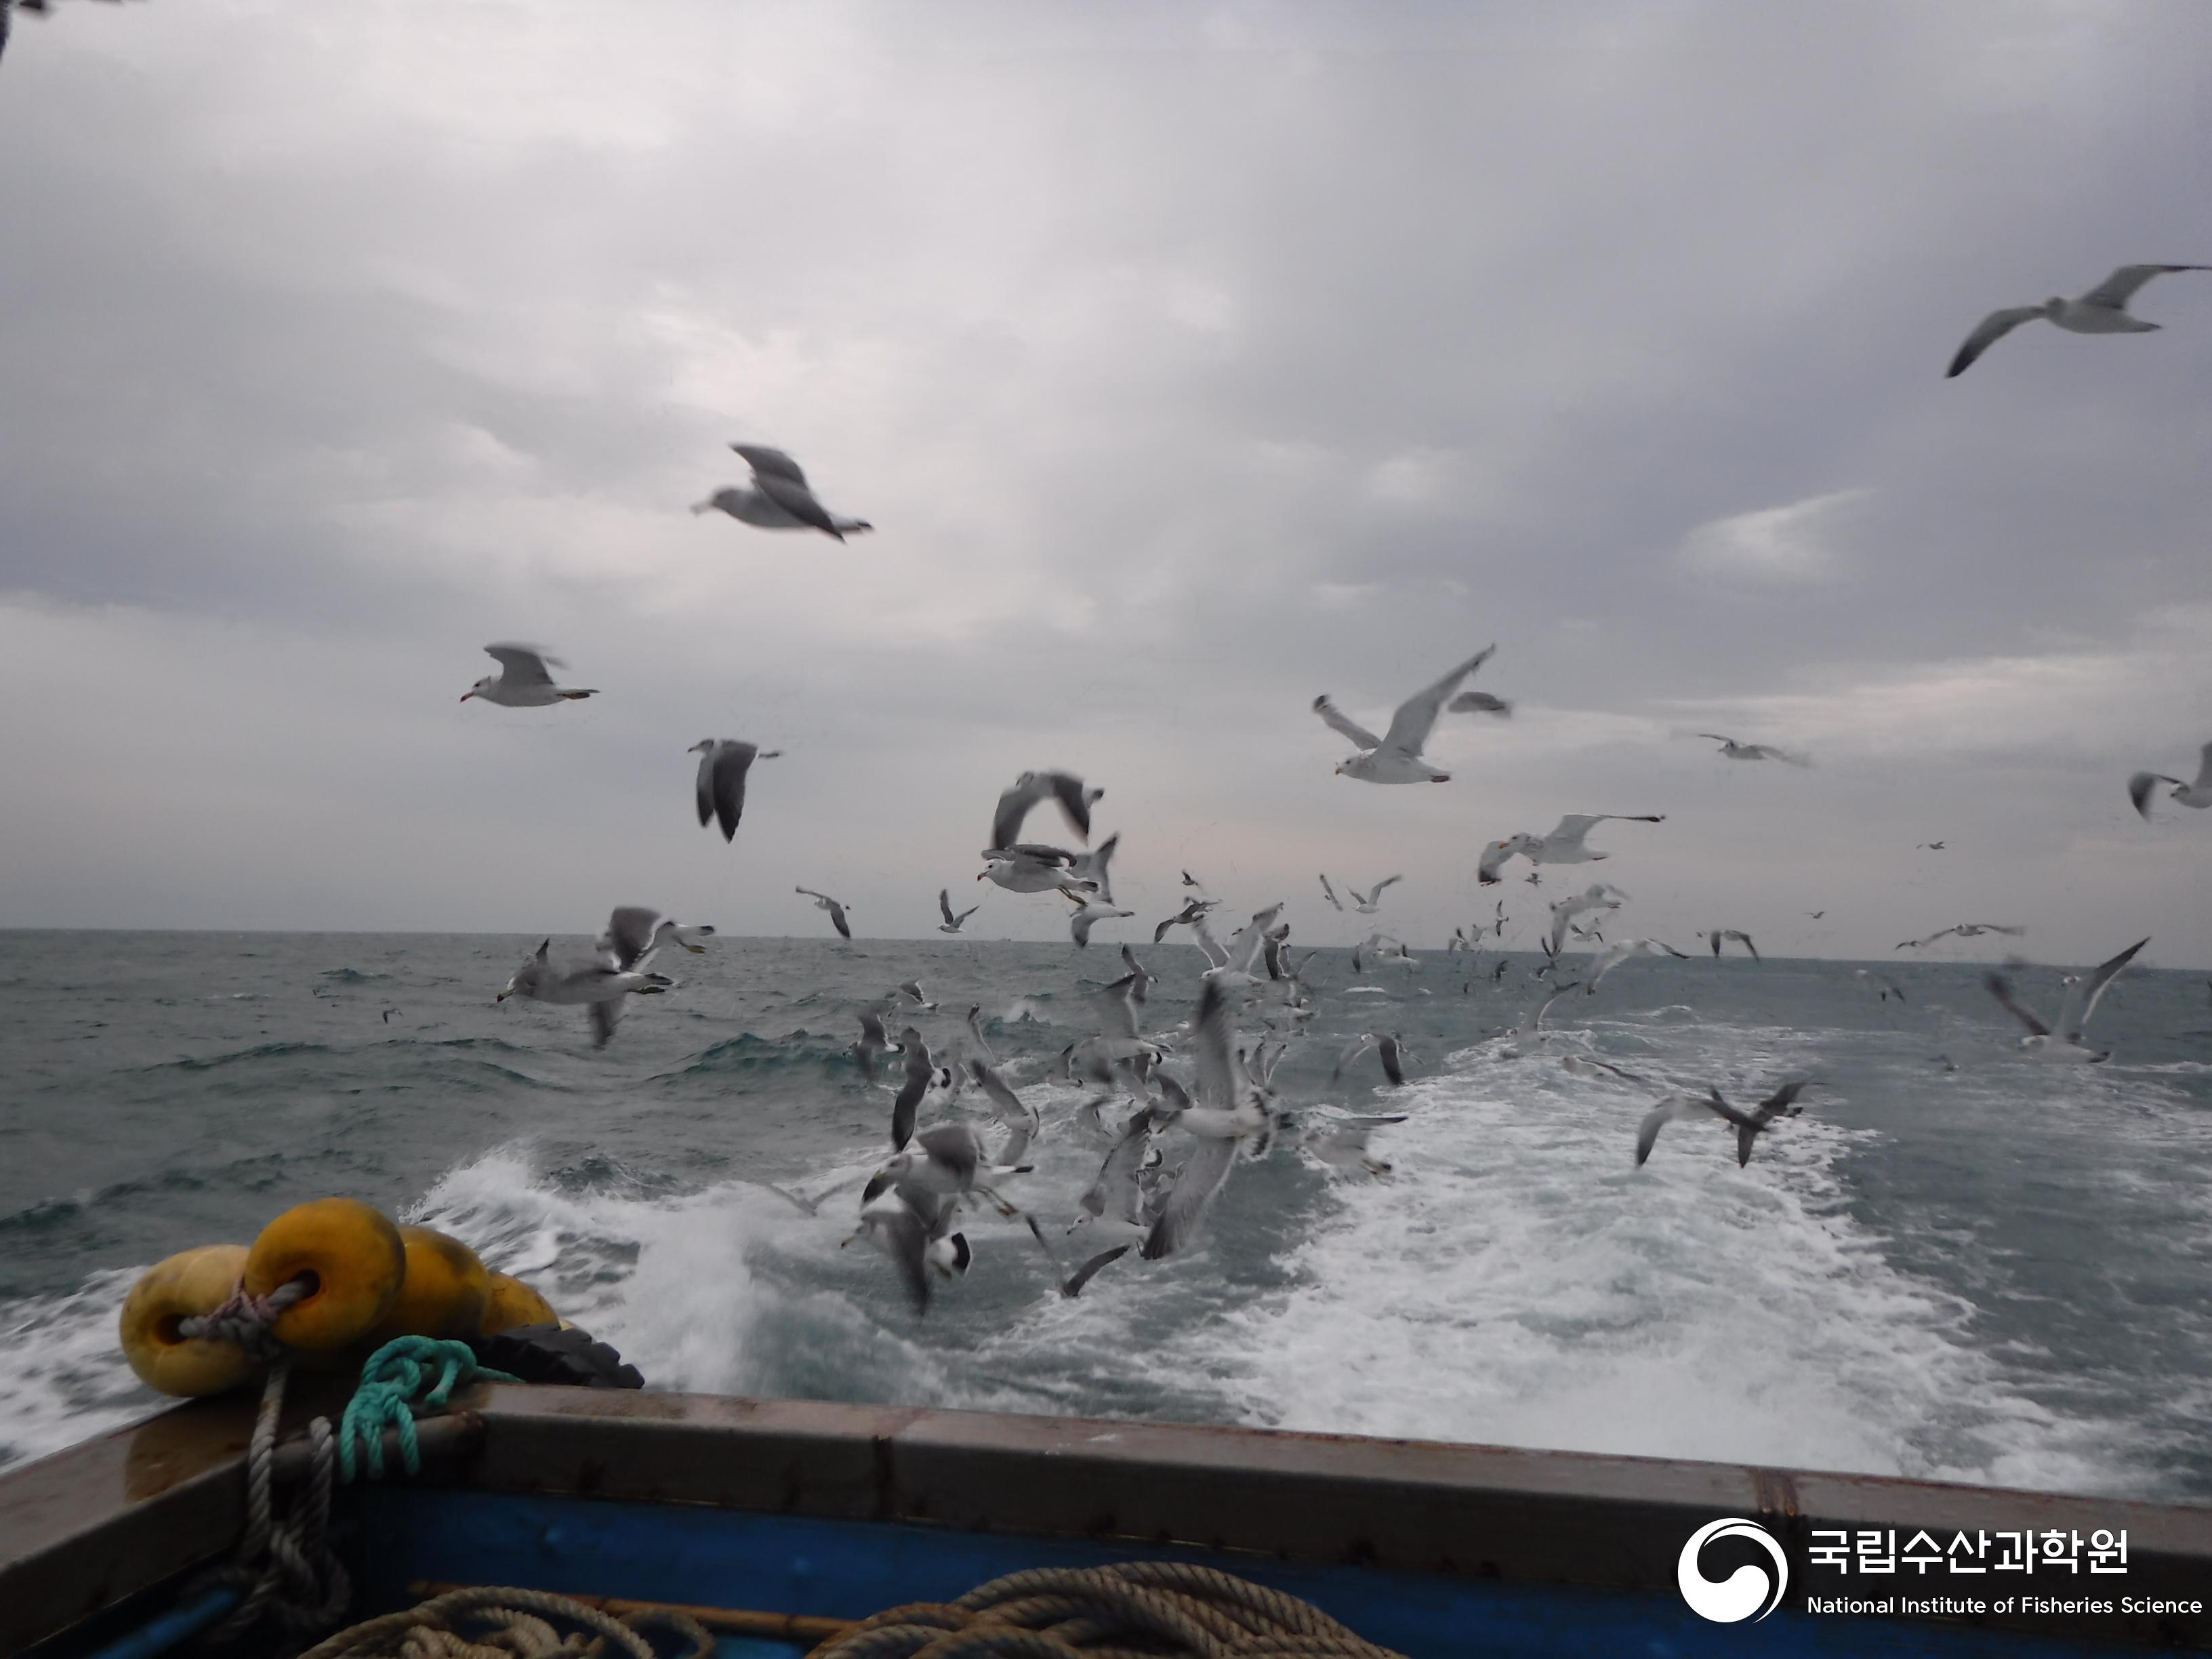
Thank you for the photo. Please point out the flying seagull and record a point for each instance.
(1369, 902)
(1386, 1046)
(871, 1042)
(596, 982)
(779, 498)
(1614, 955)
(1071, 1284)
(1031, 867)
(2061, 1039)
(723, 764)
(952, 924)
(1027, 790)
(1888, 986)
(522, 681)
(1563, 844)
(1674, 1108)
(634, 933)
(2102, 310)
(1085, 916)
(1329, 893)
(1226, 1115)
(1395, 756)
(1599, 895)
(1749, 1126)
(1718, 934)
(1964, 930)
(824, 902)
(2198, 795)
(1731, 749)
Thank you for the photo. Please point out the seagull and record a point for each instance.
(1531, 1027)
(1329, 893)
(1379, 948)
(1890, 987)
(1718, 935)
(1031, 867)
(1929, 847)
(1027, 790)
(1816, 914)
(595, 983)
(871, 1042)
(1020, 1118)
(1226, 1115)
(388, 1013)
(780, 499)
(1599, 895)
(1964, 930)
(522, 681)
(1614, 955)
(1583, 1065)
(917, 1243)
(2061, 1039)
(945, 1159)
(922, 1071)
(1395, 756)
(2102, 310)
(824, 902)
(952, 924)
(1731, 749)
(1674, 1108)
(1341, 1142)
(1086, 915)
(723, 764)
(634, 934)
(1386, 1044)
(1563, 845)
(1071, 1285)
(2198, 795)
(1091, 866)
(1750, 1125)
(1369, 902)
(1192, 912)
(908, 988)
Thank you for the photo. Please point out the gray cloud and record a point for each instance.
(1190, 363)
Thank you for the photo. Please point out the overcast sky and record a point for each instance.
(1190, 361)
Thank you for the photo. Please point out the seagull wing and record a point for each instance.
(722, 782)
(1204, 1175)
(768, 463)
(1329, 892)
(1992, 328)
(1359, 1046)
(2001, 988)
(629, 932)
(944, 906)
(1342, 722)
(605, 1016)
(1416, 717)
(524, 665)
(837, 919)
(796, 499)
(2204, 768)
(2082, 999)
(2117, 289)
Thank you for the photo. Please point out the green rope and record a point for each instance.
(394, 1383)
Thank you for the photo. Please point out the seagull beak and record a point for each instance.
(465, 695)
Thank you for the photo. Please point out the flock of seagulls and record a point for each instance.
(1192, 1099)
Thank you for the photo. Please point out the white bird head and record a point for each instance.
(480, 687)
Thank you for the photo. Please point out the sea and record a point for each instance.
(1955, 1264)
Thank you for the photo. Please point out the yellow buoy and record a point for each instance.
(355, 1262)
(513, 1302)
(445, 1290)
(189, 1284)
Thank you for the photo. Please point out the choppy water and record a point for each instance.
(1996, 1274)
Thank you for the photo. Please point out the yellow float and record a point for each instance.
(188, 1286)
(444, 1294)
(513, 1302)
(353, 1258)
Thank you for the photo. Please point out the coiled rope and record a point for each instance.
(521, 1626)
(395, 1381)
(284, 1565)
(1151, 1610)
